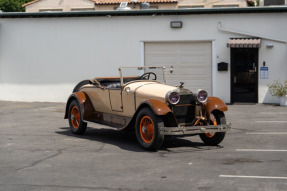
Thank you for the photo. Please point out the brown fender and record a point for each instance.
(215, 103)
(158, 107)
(85, 104)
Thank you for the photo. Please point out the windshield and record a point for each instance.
(145, 73)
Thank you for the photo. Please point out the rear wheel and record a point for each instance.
(76, 124)
(213, 139)
(148, 129)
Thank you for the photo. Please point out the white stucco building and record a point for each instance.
(44, 55)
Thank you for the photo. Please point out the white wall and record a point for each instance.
(41, 59)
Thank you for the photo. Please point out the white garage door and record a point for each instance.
(191, 62)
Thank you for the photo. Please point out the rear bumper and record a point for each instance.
(192, 130)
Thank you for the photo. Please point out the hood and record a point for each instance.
(152, 90)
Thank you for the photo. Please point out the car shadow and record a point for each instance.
(127, 140)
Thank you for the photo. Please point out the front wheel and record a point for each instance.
(77, 125)
(148, 129)
(213, 139)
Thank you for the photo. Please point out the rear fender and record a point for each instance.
(85, 104)
(214, 103)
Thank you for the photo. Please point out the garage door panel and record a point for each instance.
(191, 69)
(195, 47)
(198, 73)
(160, 59)
(191, 62)
(197, 60)
(152, 48)
(193, 52)
(191, 84)
(163, 54)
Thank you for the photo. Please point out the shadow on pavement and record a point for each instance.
(127, 140)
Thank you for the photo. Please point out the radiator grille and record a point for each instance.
(184, 111)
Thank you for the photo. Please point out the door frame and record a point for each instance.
(232, 74)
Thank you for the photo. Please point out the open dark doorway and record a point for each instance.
(244, 75)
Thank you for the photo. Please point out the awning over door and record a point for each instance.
(244, 43)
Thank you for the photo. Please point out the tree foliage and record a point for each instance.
(13, 5)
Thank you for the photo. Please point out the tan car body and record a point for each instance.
(119, 101)
(118, 107)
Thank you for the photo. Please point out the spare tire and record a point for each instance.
(80, 84)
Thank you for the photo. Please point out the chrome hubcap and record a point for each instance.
(144, 130)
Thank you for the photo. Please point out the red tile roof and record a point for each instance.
(35, 1)
(110, 2)
(107, 2)
(29, 3)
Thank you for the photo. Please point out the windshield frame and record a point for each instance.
(141, 68)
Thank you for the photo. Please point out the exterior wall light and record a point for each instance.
(176, 24)
(269, 45)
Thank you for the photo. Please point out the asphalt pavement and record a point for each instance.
(38, 152)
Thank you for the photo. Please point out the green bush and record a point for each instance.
(278, 88)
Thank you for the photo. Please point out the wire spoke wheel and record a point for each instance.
(147, 129)
(212, 122)
(77, 125)
(75, 117)
(213, 139)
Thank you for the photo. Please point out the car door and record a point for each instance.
(115, 96)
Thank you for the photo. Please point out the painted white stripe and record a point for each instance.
(267, 133)
(261, 150)
(261, 177)
(270, 121)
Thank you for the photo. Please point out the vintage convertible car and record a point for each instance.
(148, 106)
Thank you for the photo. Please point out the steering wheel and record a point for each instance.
(147, 76)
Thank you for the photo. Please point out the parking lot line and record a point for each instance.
(267, 133)
(270, 121)
(260, 177)
(261, 150)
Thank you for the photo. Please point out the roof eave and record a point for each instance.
(146, 12)
(170, 2)
(30, 3)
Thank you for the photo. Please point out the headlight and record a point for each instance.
(172, 97)
(201, 96)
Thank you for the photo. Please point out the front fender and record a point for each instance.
(84, 103)
(215, 103)
(158, 107)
